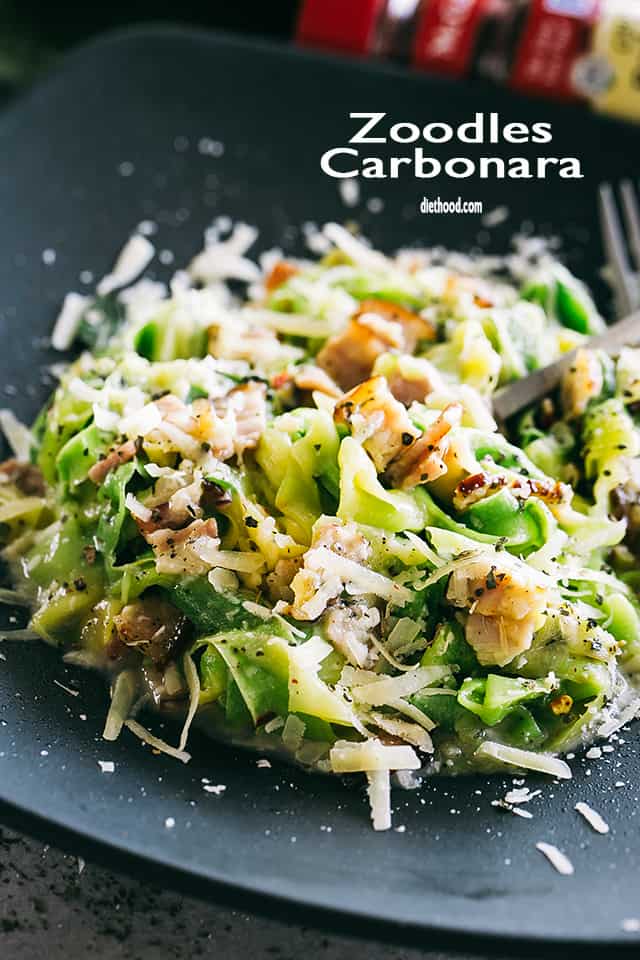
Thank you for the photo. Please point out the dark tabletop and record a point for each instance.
(55, 906)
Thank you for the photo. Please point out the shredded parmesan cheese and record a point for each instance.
(612, 725)
(525, 814)
(19, 437)
(358, 251)
(521, 795)
(592, 817)
(137, 509)
(134, 257)
(123, 696)
(348, 757)
(139, 731)
(383, 689)
(556, 858)
(540, 762)
(379, 791)
(66, 326)
(293, 732)
(415, 735)
(193, 682)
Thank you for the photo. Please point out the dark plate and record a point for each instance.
(277, 839)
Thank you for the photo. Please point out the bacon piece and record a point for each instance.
(480, 485)
(278, 582)
(310, 378)
(378, 419)
(497, 640)
(407, 390)
(349, 356)
(279, 274)
(349, 627)
(414, 327)
(375, 327)
(122, 454)
(248, 403)
(498, 588)
(423, 460)
(344, 539)
(174, 550)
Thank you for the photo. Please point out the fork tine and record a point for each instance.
(631, 212)
(613, 238)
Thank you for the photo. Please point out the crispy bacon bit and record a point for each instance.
(378, 419)
(414, 327)
(481, 301)
(497, 640)
(423, 461)
(185, 428)
(278, 582)
(27, 477)
(416, 387)
(349, 356)
(504, 601)
(248, 403)
(279, 274)
(344, 539)
(122, 454)
(312, 591)
(552, 491)
(155, 626)
(511, 591)
(480, 485)
(160, 519)
(181, 507)
(174, 549)
(310, 378)
(280, 380)
(349, 628)
(476, 487)
(376, 327)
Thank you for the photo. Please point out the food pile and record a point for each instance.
(290, 515)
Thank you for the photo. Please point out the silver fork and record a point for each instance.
(626, 281)
(626, 284)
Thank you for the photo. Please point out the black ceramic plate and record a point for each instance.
(120, 134)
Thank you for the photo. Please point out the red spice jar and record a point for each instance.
(566, 49)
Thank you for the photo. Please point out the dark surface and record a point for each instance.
(460, 866)
(68, 22)
(55, 906)
(34, 33)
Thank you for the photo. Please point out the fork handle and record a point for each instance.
(523, 393)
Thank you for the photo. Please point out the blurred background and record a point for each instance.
(35, 32)
(585, 52)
